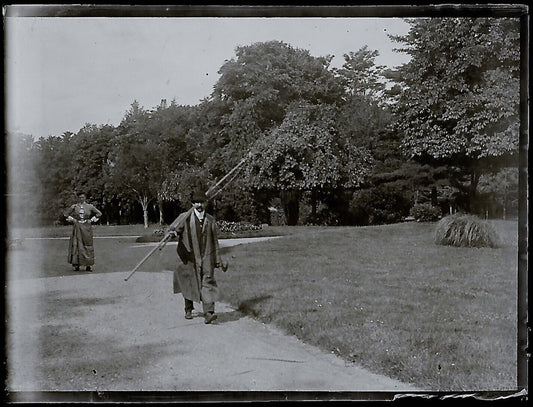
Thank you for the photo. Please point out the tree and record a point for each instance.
(54, 170)
(304, 154)
(90, 160)
(459, 96)
(266, 77)
(363, 114)
(138, 159)
(360, 75)
(254, 94)
(169, 126)
(256, 88)
(181, 183)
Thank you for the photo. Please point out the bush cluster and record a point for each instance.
(463, 230)
(325, 217)
(385, 203)
(425, 212)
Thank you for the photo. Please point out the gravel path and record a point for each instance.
(107, 334)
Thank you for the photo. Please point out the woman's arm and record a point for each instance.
(68, 213)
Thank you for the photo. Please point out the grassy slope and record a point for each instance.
(385, 297)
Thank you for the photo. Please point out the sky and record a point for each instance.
(62, 73)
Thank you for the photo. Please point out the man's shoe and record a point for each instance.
(210, 317)
(76, 268)
(88, 268)
(188, 315)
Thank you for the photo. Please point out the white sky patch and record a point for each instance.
(62, 73)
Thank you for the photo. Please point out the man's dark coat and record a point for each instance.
(195, 277)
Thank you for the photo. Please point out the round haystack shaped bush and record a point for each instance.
(464, 230)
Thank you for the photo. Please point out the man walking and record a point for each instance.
(198, 250)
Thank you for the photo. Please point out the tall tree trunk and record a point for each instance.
(313, 205)
(144, 203)
(291, 206)
(160, 205)
(472, 191)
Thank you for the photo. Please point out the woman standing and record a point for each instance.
(80, 249)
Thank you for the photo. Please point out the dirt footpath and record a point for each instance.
(98, 332)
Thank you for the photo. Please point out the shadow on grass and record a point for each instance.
(231, 316)
(247, 306)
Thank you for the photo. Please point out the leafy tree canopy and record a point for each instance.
(304, 153)
(460, 90)
(360, 75)
(258, 86)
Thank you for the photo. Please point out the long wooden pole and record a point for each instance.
(160, 245)
(210, 193)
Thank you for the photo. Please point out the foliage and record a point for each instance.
(240, 203)
(463, 230)
(266, 77)
(90, 160)
(384, 203)
(305, 154)
(55, 190)
(363, 117)
(316, 135)
(394, 185)
(425, 212)
(255, 91)
(323, 217)
(360, 75)
(299, 154)
(140, 160)
(361, 121)
(179, 184)
(459, 94)
(500, 192)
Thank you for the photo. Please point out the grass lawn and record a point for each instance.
(385, 297)
(147, 235)
(99, 230)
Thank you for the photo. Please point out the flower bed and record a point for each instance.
(225, 226)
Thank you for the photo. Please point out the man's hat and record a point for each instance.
(198, 196)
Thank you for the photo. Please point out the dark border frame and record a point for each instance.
(383, 11)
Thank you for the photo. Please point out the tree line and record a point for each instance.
(355, 145)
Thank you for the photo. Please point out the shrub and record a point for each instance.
(425, 212)
(324, 217)
(385, 203)
(463, 230)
